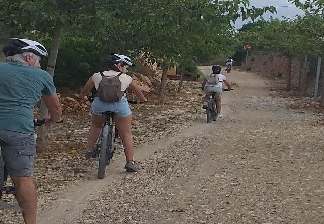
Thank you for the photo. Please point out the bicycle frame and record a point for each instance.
(105, 144)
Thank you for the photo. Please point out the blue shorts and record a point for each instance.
(213, 89)
(121, 108)
(18, 151)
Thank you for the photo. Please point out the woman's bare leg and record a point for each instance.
(97, 123)
(124, 125)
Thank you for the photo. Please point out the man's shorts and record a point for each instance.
(121, 108)
(18, 151)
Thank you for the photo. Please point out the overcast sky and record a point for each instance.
(284, 9)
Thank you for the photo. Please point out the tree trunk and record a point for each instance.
(289, 79)
(42, 140)
(163, 84)
(300, 75)
(180, 83)
(303, 82)
(318, 73)
(322, 93)
(247, 57)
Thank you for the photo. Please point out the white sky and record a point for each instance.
(284, 9)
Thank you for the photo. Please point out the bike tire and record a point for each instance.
(105, 148)
(209, 116)
(209, 111)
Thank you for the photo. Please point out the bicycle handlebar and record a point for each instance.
(40, 122)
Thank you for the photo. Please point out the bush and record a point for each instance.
(188, 68)
(78, 58)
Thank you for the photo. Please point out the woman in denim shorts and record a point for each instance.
(117, 66)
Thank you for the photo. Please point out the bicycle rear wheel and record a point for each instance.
(211, 111)
(209, 115)
(105, 150)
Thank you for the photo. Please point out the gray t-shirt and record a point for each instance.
(21, 87)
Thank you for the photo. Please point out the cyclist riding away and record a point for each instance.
(229, 64)
(113, 100)
(22, 84)
(213, 84)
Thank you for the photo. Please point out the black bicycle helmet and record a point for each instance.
(216, 69)
(18, 46)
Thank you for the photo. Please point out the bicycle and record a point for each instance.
(211, 109)
(228, 68)
(10, 189)
(106, 145)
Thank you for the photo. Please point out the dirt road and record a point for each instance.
(261, 163)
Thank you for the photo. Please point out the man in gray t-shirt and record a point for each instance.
(22, 85)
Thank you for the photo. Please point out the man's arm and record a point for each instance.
(54, 107)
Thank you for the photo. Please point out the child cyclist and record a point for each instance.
(213, 84)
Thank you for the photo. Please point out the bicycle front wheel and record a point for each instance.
(215, 114)
(209, 115)
(105, 149)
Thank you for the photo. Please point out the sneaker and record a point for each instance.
(91, 154)
(220, 115)
(132, 166)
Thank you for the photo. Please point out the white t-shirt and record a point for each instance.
(221, 79)
(124, 79)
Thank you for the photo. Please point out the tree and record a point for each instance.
(168, 32)
(42, 19)
(172, 31)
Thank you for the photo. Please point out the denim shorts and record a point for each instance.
(214, 89)
(121, 108)
(18, 151)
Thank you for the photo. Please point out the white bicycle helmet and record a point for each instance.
(18, 46)
(118, 58)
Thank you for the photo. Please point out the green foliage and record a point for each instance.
(310, 7)
(78, 60)
(302, 36)
(297, 37)
(169, 31)
(188, 68)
